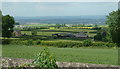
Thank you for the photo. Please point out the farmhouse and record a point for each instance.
(17, 33)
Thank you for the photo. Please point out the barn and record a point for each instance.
(71, 35)
(17, 33)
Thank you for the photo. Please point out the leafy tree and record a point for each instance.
(7, 26)
(98, 37)
(113, 21)
(101, 35)
(0, 23)
(87, 42)
(34, 32)
(0, 16)
(17, 23)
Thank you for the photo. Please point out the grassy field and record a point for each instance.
(49, 32)
(82, 55)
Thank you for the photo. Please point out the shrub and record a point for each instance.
(104, 44)
(61, 43)
(29, 42)
(111, 45)
(38, 42)
(45, 60)
(87, 42)
(5, 41)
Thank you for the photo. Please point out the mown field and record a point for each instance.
(82, 55)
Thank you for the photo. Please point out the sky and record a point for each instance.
(58, 8)
(60, 0)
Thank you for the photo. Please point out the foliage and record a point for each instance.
(87, 42)
(34, 32)
(62, 44)
(29, 42)
(38, 42)
(0, 23)
(22, 42)
(45, 60)
(113, 20)
(6, 41)
(17, 23)
(98, 37)
(104, 44)
(7, 26)
(102, 35)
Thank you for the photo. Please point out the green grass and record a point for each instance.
(40, 33)
(82, 55)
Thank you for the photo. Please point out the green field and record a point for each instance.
(82, 55)
(52, 31)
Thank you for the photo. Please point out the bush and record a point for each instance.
(87, 42)
(61, 44)
(104, 44)
(5, 41)
(28, 42)
(38, 42)
(45, 60)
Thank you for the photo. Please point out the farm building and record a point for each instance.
(79, 35)
(17, 33)
(63, 35)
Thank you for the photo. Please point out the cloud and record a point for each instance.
(58, 8)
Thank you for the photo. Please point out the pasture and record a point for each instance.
(49, 32)
(107, 56)
(75, 51)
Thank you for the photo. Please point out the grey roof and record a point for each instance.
(71, 34)
(80, 35)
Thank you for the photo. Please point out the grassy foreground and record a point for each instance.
(82, 55)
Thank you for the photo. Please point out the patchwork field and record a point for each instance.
(52, 31)
(65, 49)
(83, 55)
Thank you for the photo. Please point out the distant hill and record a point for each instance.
(84, 19)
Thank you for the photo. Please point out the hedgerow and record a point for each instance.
(85, 43)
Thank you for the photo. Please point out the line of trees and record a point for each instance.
(113, 21)
(112, 32)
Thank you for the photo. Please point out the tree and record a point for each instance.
(34, 32)
(101, 35)
(45, 60)
(17, 23)
(0, 23)
(87, 42)
(7, 26)
(113, 21)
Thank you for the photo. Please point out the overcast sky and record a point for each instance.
(58, 8)
(59, 0)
